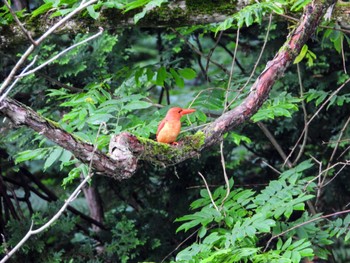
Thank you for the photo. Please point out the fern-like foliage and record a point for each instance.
(238, 231)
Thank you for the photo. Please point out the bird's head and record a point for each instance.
(177, 113)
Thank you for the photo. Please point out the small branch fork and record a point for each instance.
(26, 54)
(314, 116)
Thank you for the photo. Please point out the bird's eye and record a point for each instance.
(180, 111)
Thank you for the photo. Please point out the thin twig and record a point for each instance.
(211, 51)
(320, 173)
(274, 142)
(306, 127)
(60, 54)
(256, 63)
(70, 199)
(39, 41)
(346, 149)
(25, 31)
(226, 106)
(198, 52)
(302, 224)
(209, 193)
(14, 83)
(261, 52)
(339, 139)
(343, 54)
(325, 27)
(315, 114)
(335, 175)
(179, 245)
(225, 174)
(323, 179)
(271, 167)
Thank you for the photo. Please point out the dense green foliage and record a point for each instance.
(271, 212)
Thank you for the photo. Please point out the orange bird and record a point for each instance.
(169, 128)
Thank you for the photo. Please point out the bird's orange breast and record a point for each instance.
(169, 132)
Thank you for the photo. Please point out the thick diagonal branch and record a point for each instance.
(127, 149)
(275, 68)
(20, 114)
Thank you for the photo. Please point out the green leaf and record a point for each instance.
(301, 54)
(139, 16)
(137, 105)
(187, 73)
(135, 4)
(92, 12)
(237, 138)
(188, 225)
(299, 5)
(178, 80)
(41, 9)
(28, 155)
(97, 119)
(65, 158)
(202, 232)
(75, 173)
(161, 76)
(347, 236)
(53, 157)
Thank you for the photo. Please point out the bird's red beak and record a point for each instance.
(187, 111)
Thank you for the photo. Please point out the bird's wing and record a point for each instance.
(160, 126)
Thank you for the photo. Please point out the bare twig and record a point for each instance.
(320, 173)
(226, 106)
(211, 51)
(347, 149)
(261, 52)
(3, 96)
(339, 139)
(25, 31)
(274, 142)
(39, 41)
(256, 63)
(209, 193)
(179, 245)
(335, 175)
(306, 127)
(315, 114)
(199, 52)
(271, 167)
(322, 180)
(302, 224)
(70, 199)
(343, 54)
(321, 26)
(60, 54)
(225, 174)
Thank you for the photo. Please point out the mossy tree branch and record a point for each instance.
(174, 14)
(126, 149)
